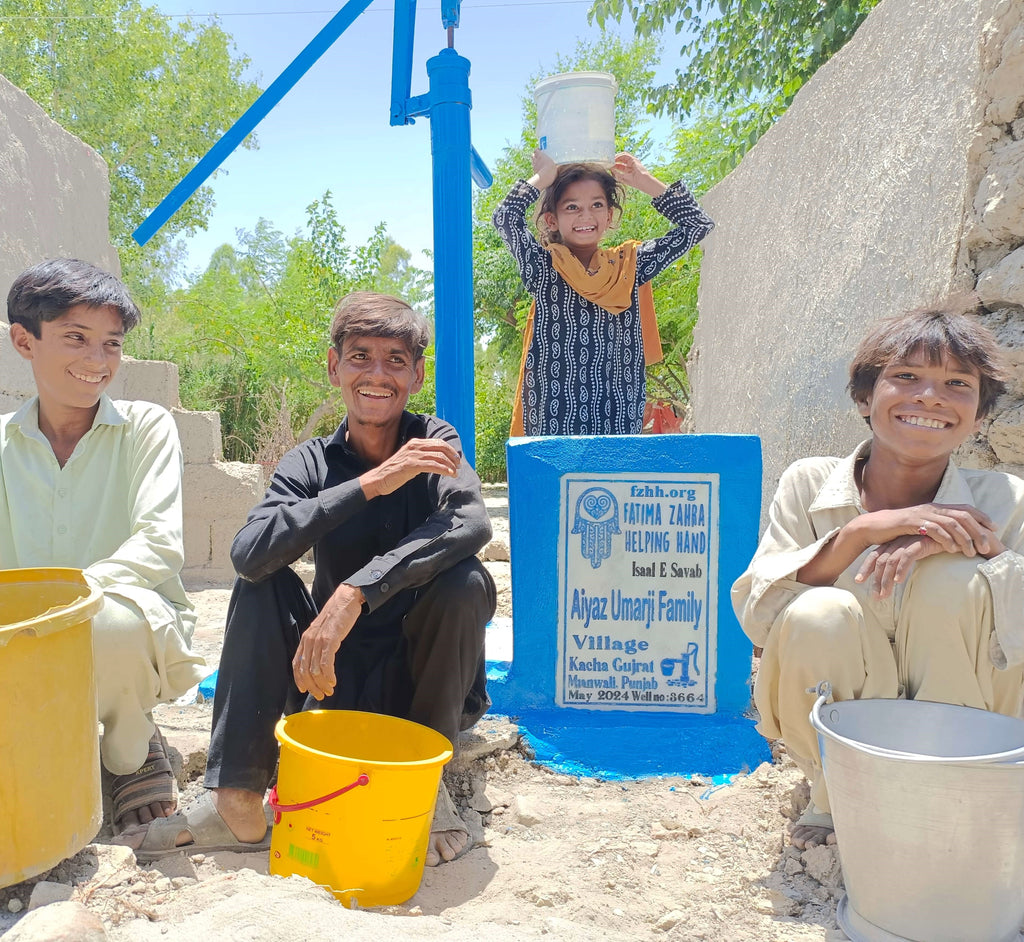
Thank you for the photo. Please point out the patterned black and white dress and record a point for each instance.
(585, 371)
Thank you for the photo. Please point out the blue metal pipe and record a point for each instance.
(482, 176)
(450, 103)
(256, 112)
(401, 61)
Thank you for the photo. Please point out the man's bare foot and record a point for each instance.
(448, 834)
(445, 846)
(803, 836)
(811, 829)
(242, 811)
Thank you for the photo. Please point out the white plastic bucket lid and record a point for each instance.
(574, 80)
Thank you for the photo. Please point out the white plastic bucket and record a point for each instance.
(928, 804)
(576, 116)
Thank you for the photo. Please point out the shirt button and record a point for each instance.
(384, 587)
(387, 526)
(62, 529)
(375, 574)
(62, 492)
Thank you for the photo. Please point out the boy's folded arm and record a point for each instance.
(770, 584)
(835, 555)
(789, 543)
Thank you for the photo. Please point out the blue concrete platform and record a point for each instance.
(627, 658)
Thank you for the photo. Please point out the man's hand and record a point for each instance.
(313, 664)
(416, 456)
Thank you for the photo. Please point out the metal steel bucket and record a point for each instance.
(928, 804)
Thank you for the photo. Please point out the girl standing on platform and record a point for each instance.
(592, 328)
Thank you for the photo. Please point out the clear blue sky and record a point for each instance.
(332, 130)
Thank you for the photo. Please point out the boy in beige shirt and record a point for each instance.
(892, 571)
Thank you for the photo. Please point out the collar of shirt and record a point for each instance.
(840, 487)
(26, 419)
(412, 426)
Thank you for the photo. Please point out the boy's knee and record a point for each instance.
(819, 617)
(120, 626)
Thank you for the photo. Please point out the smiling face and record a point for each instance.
(581, 217)
(74, 358)
(376, 376)
(923, 410)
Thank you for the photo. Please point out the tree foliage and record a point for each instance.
(150, 97)
(747, 57)
(250, 335)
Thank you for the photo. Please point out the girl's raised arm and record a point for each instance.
(544, 170)
(689, 222)
(510, 221)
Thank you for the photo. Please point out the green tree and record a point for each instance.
(747, 57)
(250, 335)
(694, 154)
(149, 97)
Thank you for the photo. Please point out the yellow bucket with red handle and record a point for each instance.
(354, 802)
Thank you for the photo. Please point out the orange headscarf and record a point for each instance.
(611, 288)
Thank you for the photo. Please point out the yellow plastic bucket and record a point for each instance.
(50, 800)
(354, 801)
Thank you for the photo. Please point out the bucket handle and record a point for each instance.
(1014, 757)
(274, 803)
(824, 691)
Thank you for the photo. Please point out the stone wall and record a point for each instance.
(53, 192)
(53, 202)
(995, 229)
(895, 177)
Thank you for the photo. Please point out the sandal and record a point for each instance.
(210, 833)
(153, 782)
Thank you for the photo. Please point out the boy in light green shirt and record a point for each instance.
(94, 484)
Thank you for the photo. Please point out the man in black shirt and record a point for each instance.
(395, 621)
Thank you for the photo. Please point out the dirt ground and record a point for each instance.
(555, 855)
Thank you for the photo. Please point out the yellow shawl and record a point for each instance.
(611, 288)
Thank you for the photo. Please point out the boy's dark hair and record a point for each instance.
(50, 289)
(567, 175)
(368, 314)
(945, 328)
